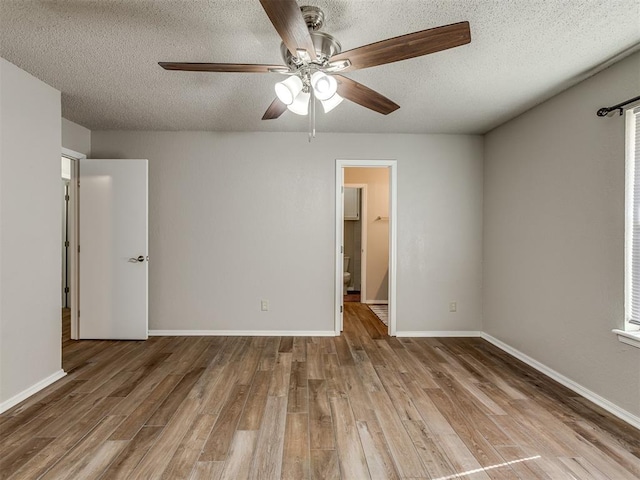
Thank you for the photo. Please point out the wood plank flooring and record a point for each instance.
(359, 406)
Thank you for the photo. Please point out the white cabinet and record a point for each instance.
(351, 203)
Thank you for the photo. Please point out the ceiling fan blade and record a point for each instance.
(358, 93)
(219, 67)
(290, 25)
(406, 46)
(276, 109)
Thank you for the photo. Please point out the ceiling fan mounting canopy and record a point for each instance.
(306, 50)
(313, 17)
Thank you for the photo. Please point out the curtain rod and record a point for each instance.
(603, 112)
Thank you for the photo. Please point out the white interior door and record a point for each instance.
(113, 239)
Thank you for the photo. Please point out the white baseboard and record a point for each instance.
(242, 333)
(16, 399)
(376, 302)
(437, 333)
(628, 417)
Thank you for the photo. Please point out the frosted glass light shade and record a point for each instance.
(324, 86)
(288, 89)
(300, 105)
(332, 103)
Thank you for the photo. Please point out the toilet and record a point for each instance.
(346, 276)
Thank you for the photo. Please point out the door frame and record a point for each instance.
(74, 286)
(392, 165)
(363, 236)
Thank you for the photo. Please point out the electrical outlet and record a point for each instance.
(453, 307)
(264, 305)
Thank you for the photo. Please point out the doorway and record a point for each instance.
(69, 241)
(111, 190)
(378, 284)
(66, 273)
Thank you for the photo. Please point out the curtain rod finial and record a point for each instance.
(603, 112)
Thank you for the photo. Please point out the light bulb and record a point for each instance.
(332, 103)
(288, 89)
(324, 86)
(300, 105)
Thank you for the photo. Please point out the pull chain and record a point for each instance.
(312, 115)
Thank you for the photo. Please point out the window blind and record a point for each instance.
(634, 217)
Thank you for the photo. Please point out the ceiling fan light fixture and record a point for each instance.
(289, 89)
(332, 103)
(324, 86)
(300, 105)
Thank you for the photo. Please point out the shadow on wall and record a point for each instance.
(382, 291)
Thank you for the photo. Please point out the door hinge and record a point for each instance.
(66, 244)
(66, 289)
(340, 308)
(78, 248)
(342, 189)
(341, 248)
(66, 197)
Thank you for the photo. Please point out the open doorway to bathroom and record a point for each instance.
(365, 240)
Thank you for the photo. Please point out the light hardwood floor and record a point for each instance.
(359, 406)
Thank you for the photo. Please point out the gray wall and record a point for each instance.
(236, 217)
(76, 137)
(554, 236)
(30, 342)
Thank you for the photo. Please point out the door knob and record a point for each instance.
(136, 260)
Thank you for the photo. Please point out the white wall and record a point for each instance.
(30, 327)
(377, 254)
(554, 236)
(236, 217)
(76, 137)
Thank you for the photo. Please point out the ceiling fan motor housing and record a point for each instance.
(324, 44)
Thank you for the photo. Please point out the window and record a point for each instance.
(633, 217)
(631, 332)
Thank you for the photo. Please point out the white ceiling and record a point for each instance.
(102, 55)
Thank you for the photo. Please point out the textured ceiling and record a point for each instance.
(102, 55)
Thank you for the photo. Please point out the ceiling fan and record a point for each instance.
(314, 61)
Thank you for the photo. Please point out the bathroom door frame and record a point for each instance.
(392, 165)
